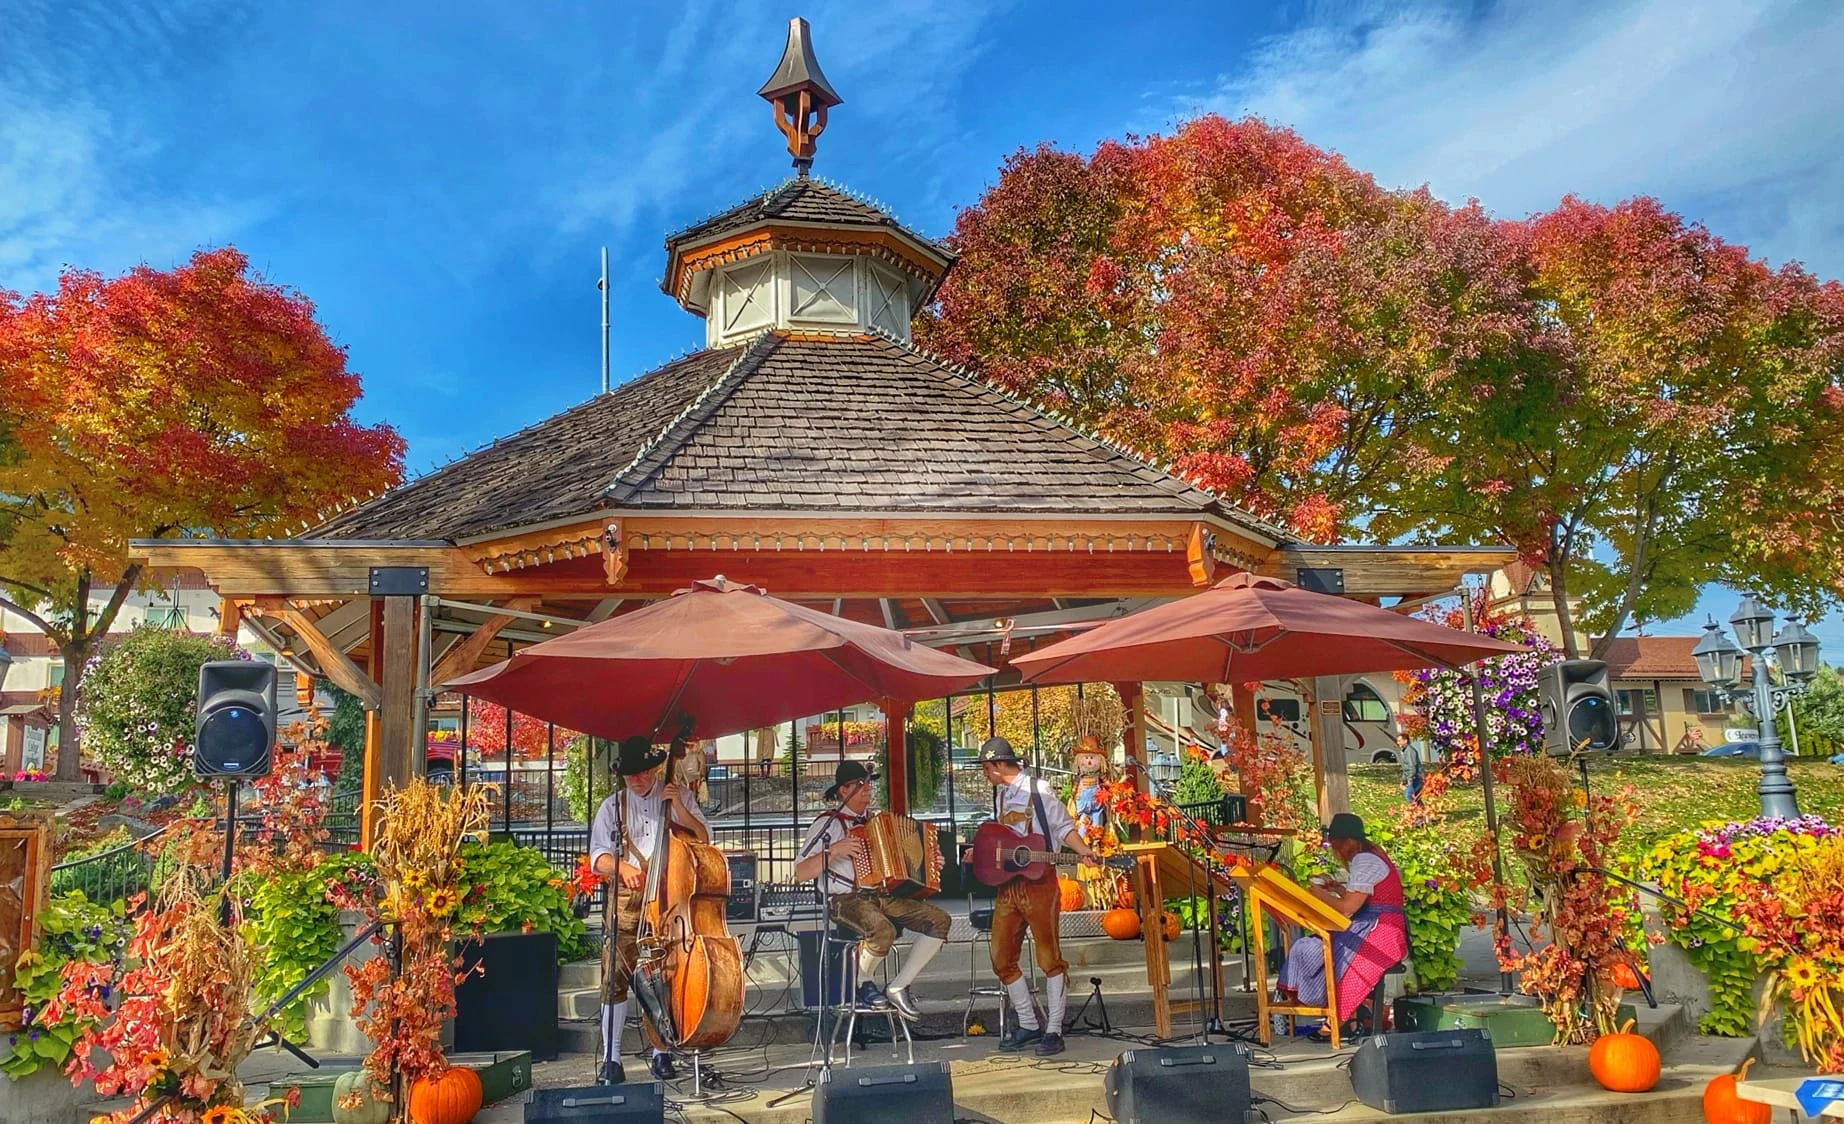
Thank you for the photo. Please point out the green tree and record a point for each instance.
(1819, 714)
(346, 731)
(1680, 423)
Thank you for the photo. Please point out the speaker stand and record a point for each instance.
(1104, 1026)
(230, 846)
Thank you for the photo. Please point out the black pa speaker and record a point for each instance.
(1179, 1084)
(915, 1094)
(1429, 1071)
(634, 1103)
(1578, 707)
(511, 1002)
(809, 940)
(235, 734)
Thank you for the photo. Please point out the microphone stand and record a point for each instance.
(1214, 1023)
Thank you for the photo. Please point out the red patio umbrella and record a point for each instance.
(727, 654)
(1246, 629)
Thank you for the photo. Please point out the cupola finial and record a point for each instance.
(801, 96)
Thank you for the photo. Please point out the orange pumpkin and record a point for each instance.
(1069, 894)
(1723, 1104)
(1626, 976)
(1624, 1062)
(1121, 924)
(450, 1097)
(1171, 925)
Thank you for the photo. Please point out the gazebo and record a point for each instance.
(810, 448)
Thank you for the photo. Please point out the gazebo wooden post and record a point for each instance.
(1132, 701)
(896, 755)
(1331, 777)
(390, 737)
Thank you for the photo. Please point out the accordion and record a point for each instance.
(900, 856)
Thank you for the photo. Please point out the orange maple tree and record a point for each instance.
(201, 399)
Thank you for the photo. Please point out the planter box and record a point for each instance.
(56, 791)
(501, 1076)
(1511, 1020)
(511, 1002)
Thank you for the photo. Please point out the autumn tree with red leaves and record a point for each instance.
(1239, 303)
(197, 400)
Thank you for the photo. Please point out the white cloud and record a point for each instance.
(69, 168)
(1731, 113)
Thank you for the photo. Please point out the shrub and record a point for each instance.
(509, 888)
(139, 706)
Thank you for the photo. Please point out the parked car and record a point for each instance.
(1734, 749)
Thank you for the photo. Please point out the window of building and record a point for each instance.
(1648, 697)
(1363, 704)
(1702, 701)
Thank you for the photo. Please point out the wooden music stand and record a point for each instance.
(1267, 888)
(1161, 870)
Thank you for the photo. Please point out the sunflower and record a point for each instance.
(155, 1059)
(415, 880)
(1802, 973)
(222, 1114)
(442, 901)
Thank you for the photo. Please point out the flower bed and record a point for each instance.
(1766, 899)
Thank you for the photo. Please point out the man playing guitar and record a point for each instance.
(625, 831)
(1023, 803)
(873, 915)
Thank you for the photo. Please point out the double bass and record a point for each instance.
(689, 978)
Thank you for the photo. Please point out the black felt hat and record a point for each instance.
(637, 755)
(846, 773)
(1346, 825)
(998, 749)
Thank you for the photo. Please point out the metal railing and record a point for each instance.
(117, 873)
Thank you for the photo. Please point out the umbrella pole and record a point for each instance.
(1503, 920)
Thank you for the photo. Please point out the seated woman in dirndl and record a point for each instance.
(1378, 939)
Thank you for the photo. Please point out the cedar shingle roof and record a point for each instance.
(554, 469)
(1652, 657)
(791, 423)
(800, 200)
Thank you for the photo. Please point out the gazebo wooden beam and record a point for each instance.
(335, 664)
(1390, 571)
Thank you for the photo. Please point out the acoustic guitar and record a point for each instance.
(1001, 855)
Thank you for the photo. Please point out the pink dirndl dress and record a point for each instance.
(1377, 941)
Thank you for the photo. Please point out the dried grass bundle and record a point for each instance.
(1098, 713)
(420, 831)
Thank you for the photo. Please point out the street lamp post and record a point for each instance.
(1719, 663)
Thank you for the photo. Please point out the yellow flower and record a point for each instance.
(1802, 973)
(222, 1114)
(387, 906)
(442, 901)
(415, 880)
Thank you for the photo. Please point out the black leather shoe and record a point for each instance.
(663, 1068)
(611, 1074)
(1018, 1038)
(872, 997)
(1050, 1044)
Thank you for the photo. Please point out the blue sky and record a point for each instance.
(440, 178)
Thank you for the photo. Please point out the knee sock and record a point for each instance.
(868, 961)
(1056, 998)
(923, 951)
(614, 1020)
(1020, 993)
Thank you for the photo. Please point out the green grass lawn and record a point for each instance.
(1672, 792)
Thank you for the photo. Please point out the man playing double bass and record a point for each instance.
(874, 916)
(1026, 804)
(625, 831)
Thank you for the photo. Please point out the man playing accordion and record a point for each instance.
(827, 853)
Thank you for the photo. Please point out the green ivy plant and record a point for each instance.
(293, 921)
(71, 928)
(512, 889)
